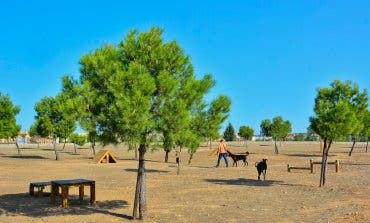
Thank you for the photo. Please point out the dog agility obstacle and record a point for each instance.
(336, 163)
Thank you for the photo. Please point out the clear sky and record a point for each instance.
(267, 56)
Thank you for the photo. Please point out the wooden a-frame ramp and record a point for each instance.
(105, 156)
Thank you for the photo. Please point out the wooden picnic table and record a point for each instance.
(65, 184)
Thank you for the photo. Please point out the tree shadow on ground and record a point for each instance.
(249, 182)
(25, 157)
(24, 204)
(148, 171)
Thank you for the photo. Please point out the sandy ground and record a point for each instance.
(201, 193)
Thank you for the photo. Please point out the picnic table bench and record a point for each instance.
(40, 188)
(65, 184)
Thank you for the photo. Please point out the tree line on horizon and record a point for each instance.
(144, 91)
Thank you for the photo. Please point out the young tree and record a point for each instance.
(366, 129)
(266, 127)
(217, 113)
(229, 133)
(360, 106)
(247, 133)
(8, 123)
(132, 88)
(299, 137)
(77, 139)
(53, 120)
(279, 130)
(334, 115)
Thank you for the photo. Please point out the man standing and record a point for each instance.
(222, 152)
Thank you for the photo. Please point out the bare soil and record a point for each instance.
(201, 193)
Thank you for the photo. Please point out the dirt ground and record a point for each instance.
(201, 193)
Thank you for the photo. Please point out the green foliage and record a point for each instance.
(276, 128)
(280, 128)
(335, 110)
(217, 113)
(299, 137)
(246, 132)
(52, 118)
(229, 134)
(78, 139)
(366, 122)
(266, 127)
(144, 87)
(8, 112)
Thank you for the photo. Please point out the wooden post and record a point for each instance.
(64, 196)
(92, 192)
(336, 166)
(81, 193)
(311, 165)
(54, 192)
(31, 189)
(288, 168)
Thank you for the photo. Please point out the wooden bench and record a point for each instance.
(66, 184)
(40, 188)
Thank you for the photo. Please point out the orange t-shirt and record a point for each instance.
(222, 148)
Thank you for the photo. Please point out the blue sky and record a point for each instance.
(269, 57)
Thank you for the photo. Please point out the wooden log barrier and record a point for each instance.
(336, 163)
(298, 168)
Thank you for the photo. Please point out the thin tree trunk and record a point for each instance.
(55, 149)
(93, 147)
(353, 146)
(324, 161)
(64, 145)
(74, 147)
(190, 158)
(140, 193)
(18, 148)
(210, 143)
(276, 148)
(178, 161)
(246, 144)
(367, 143)
(136, 152)
(166, 156)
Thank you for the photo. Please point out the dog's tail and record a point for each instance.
(255, 164)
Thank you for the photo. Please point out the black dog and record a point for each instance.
(237, 157)
(261, 168)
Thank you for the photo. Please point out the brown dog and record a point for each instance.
(237, 157)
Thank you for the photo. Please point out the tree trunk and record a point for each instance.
(93, 147)
(210, 143)
(18, 148)
(178, 161)
(324, 162)
(276, 148)
(64, 145)
(246, 144)
(367, 143)
(136, 152)
(55, 149)
(74, 147)
(166, 156)
(140, 193)
(190, 158)
(353, 146)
